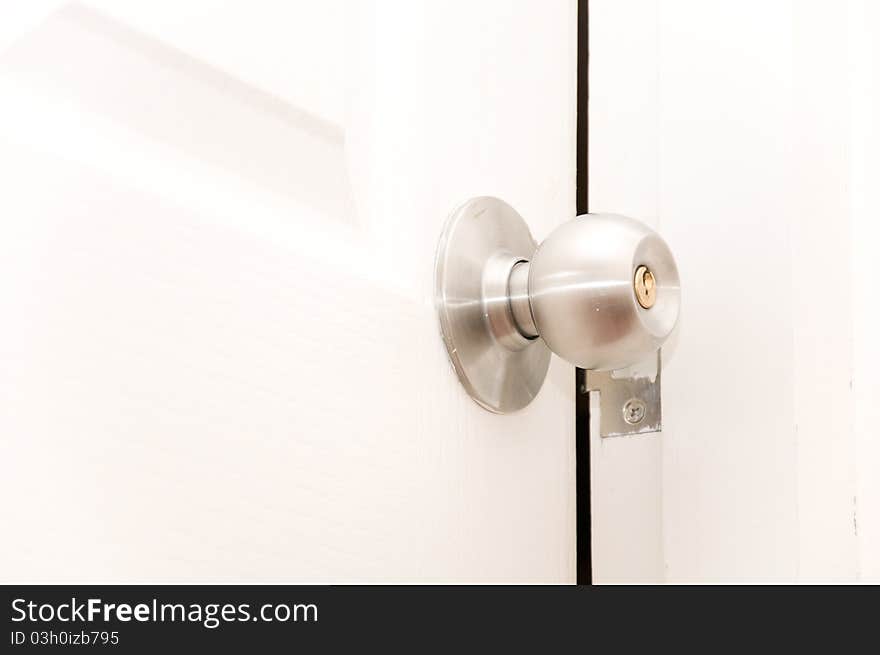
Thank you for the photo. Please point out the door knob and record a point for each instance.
(602, 292)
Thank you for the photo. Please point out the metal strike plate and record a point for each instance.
(628, 405)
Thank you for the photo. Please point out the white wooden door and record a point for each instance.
(748, 133)
(220, 355)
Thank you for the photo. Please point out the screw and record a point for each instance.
(645, 287)
(634, 411)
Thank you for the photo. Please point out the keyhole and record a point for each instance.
(645, 287)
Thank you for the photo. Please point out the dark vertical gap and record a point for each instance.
(582, 404)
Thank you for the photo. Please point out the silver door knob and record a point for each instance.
(602, 292)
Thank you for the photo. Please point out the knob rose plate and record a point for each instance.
(482, 240)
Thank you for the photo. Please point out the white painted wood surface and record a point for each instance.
(864, 141)
(748, 132)
(220, 356)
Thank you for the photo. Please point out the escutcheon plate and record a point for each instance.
(482, 240)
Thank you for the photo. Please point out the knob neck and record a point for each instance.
(497, 306)
(520, 307)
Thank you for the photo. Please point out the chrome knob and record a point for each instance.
(602, 292)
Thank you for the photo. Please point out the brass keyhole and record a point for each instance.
(645, 287)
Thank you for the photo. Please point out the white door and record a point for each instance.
(220, 355)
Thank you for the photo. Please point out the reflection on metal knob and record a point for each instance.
(602, 292)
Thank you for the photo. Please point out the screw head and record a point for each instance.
(634, 411)
(645, 287)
